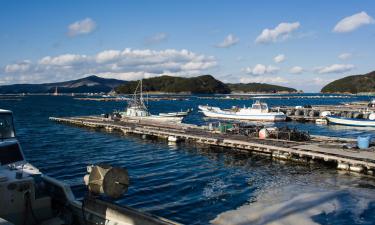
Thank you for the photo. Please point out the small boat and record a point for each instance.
(257, 112)
(350, 122)
(177, 114)
(30, 197)
(137, 109)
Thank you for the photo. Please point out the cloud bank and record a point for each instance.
(127, 64)
(261, 69)
(335, 68)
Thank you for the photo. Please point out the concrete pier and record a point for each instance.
(319, 148)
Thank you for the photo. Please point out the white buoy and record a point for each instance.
(325, 113)
(263, 133)
(172, 139)
(371, 116)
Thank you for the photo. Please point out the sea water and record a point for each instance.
(193, 184)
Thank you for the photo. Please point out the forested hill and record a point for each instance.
(205, 84)
(352, 84)
(259, 88)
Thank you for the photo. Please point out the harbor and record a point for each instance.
(322, 149)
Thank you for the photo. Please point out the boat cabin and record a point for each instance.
(259, 107)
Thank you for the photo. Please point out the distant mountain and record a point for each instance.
(258, 88)
(89, 84)
(205, 84)
(352, 84)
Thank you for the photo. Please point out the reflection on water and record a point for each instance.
(341, 199)
(188, 183)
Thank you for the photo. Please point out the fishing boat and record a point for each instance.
(28, 197)
(258, 112)
(350, 121)
(177, 114)
(137, 109)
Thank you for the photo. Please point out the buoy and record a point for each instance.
(172, 139)
(371, 116)
(263, 133)
(325, 113)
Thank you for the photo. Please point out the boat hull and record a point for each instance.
(270, 117)
(167, 119)
(350, 122)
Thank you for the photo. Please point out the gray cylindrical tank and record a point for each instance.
(289, 112)
(312, 113)
(349, 115)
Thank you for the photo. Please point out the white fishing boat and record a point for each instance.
(258, 112)
(350, 122)
(177, 114)
(29, 197)
(137, 109)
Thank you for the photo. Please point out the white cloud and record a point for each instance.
(156, 38)
(81, 27)
(344, 56)
(296, 70)
(334, 68)
(261, 69)
(18, 67)
(264, 79)
(108, 55)
(353, 22)
(279, 58)
(280, 32)
(229, 41)
(63, 60)
(126, 64)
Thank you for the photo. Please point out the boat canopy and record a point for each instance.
(260, 107)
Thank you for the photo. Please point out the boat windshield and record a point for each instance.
(6, 126)
(256, 106)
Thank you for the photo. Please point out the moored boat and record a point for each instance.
(137, 109)
(257, 112)
(350, 121)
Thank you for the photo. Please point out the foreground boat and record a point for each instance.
(29, 197)
(257, 112)
(350, 122)
(137, 109)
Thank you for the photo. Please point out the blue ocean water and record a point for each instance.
(187, 183)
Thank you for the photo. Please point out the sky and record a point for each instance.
(300, 44)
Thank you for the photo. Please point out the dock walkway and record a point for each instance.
(320, 148)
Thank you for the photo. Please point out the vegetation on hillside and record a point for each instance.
(258, 87)
(352, 84)
(205, 84)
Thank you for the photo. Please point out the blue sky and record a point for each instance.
(314, 42)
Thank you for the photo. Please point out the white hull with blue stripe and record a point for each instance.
(351, 122)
